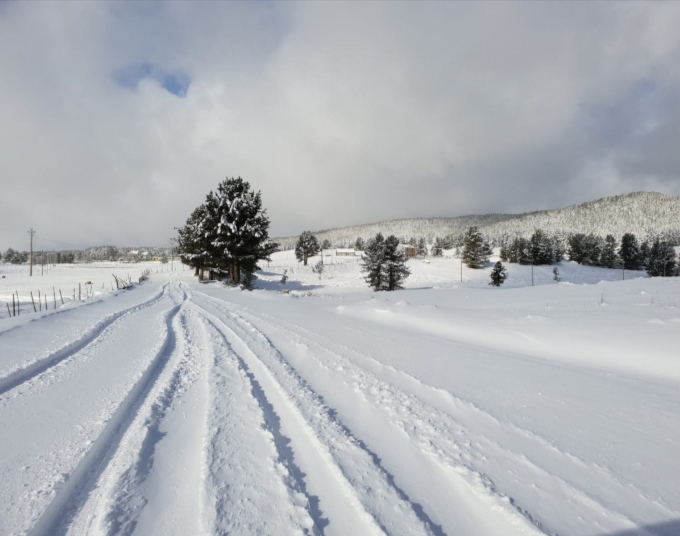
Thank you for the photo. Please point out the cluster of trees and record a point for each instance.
(384, 263)
(656, 256)
(14, 257)
(539, 249)
(227, 235)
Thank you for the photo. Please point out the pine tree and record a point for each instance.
(326, 244)
(384, 263)
(192, 245)
(476, 250)
(421, 248)
(394, 264)
(228, 234)
(644, 253)
(307, 246)
(372, 260)
(541, 252)
(661, 261)
(498, 275)
(359, 244)
(437, 248)
(608, 256)
(629, 252)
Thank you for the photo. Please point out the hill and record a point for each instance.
(644, 214)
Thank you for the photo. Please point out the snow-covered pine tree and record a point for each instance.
(498, 275)
(395, 269)
(629, 251)
(326, 244)
(193, 247)
(307, 246)
(229, 232)
(476, 250)
(437, 248)
(585, 249)
(359, 244)
(372, 262)
(541, 248)
(421, 248)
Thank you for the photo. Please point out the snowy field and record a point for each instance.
(320, 407)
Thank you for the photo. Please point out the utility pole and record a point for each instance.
(30, 270)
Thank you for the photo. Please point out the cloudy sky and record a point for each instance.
(117, 118)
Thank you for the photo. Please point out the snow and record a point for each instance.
(450, 407)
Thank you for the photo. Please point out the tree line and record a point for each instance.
(656, 256)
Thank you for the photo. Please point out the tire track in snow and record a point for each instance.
(118, 504)
(262, 492)
(366, 493)
(27, 373)
(63, 508)
(474, 451)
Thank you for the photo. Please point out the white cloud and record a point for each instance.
(339, 112)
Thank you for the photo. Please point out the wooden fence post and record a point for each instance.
(33, 301)
(61, 296)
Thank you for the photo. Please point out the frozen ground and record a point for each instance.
(450, 407)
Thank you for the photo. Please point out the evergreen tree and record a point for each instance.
(644, 253)
(608, 256)
(359, 244)
(421, 248)
(585, 249)
(384, 263)
(476, 250)
(395, 269)
(193, 246)
(326, 244)
(498, 275)
(228, 234)
(437, 248)
(374, 253)
(307, 246)
(661, 261)
(541, 248)
(629, 252)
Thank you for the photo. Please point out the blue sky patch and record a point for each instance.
(176, 82)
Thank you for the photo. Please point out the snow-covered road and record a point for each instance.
(180, 408)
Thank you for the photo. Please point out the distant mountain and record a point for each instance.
(645, 214)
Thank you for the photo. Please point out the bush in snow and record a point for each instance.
(498, 275)
(318, 268)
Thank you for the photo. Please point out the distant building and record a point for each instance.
(344, 252)
(409, 251)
